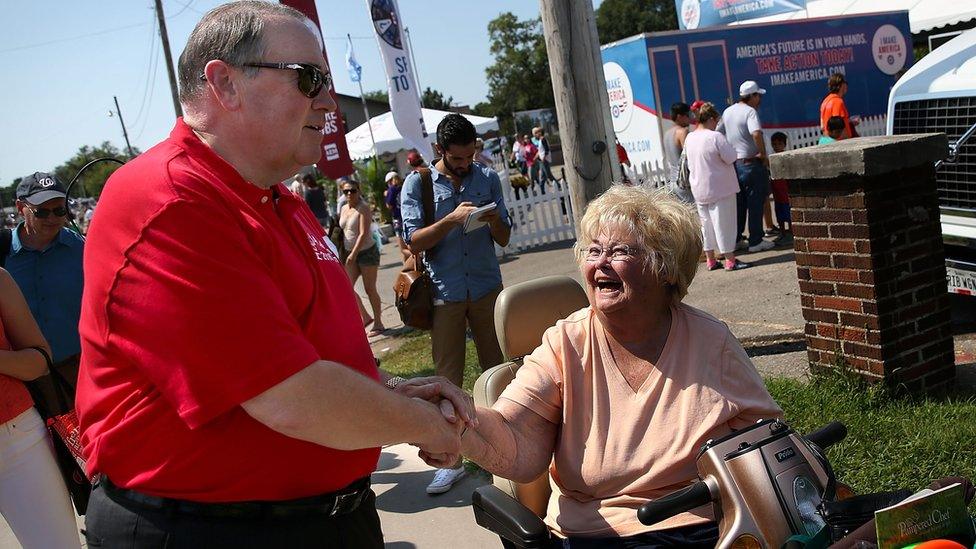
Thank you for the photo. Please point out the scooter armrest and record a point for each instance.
(502, 514)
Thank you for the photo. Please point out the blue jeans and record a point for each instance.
(753, 190)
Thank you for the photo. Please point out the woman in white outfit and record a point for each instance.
(714, 184)
(33, 498)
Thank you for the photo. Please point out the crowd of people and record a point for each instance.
(722, 167)
(227, 394)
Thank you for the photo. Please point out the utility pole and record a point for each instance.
(585, 129)
(164, 38)
(125, 134)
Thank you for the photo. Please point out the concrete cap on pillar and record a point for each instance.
(865, 156)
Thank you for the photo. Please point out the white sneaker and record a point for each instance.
(444, 479)
(762, 246)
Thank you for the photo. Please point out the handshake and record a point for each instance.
(446, 412)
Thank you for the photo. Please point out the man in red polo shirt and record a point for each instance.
(227, 394)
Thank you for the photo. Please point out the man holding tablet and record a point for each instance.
(462, 264)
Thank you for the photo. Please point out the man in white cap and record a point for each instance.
(741, 126)
(394, 184)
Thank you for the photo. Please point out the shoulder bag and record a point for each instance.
(413, 289)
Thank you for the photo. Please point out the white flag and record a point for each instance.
(403, 93)
(353, 66)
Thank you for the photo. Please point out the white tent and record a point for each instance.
(389, 140)
(923, 15)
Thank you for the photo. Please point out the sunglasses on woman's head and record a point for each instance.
(44, 213)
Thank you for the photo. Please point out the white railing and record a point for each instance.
(797, 138)
(647, 174)
(538, 219)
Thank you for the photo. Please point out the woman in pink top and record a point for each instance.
(714, 184)
(621, 395)
(33, 498)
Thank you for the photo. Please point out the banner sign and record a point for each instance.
(792, 60)
(335, 162)
(698, 14)
(403, 93)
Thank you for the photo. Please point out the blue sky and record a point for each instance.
(63, 61)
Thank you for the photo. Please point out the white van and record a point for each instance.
(938, 94)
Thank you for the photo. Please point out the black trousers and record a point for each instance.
(123, 525)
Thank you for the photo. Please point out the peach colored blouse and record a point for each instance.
(617, 448)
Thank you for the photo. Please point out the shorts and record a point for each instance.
(370, 257)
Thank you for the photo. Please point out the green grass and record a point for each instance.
(891, 443)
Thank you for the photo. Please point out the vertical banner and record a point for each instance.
(335, 162)
(403, 92)
(698, 14)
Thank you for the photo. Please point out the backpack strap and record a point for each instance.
(6, 242)
(427, 195)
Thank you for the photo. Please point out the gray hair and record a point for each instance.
(233, 33)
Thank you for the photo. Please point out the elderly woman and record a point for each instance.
(621, 395)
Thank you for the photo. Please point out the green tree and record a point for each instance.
(519, 78)
(378, 95)
(616, 19)
(433, 99)
(370, 173)
(93, 179)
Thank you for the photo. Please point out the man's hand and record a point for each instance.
(491, 216)
(461, 213)
(441, 444)
(453, 402)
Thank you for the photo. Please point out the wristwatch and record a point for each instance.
(394, 381)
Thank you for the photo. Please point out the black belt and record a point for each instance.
(333, 504)
(748, 160)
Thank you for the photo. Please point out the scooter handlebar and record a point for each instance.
(670, 505)
(828, 435)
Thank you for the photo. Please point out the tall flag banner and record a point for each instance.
(402, 83)
(335, 162)
(353, 66)
(698, 14)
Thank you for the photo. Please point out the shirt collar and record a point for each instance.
(16, 245)
(184, 137)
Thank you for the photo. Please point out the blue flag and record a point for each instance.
(354, 68)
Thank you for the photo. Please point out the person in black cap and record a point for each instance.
(44, 258)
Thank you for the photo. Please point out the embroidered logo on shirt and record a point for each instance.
(321, 250)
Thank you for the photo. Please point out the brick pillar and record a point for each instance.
(869, 257)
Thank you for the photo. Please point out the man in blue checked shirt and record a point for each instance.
(45, 261)
(462, 266)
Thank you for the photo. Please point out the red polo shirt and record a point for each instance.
(201, 292)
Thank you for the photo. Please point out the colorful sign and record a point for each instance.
(699, 14)
(792, 60)
(335, 162)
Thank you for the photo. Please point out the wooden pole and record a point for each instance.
(585, 129)
(164, 38)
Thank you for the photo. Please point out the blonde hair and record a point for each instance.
(667, 228)
(707, 112)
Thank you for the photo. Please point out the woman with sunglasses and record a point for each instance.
(33, 498)
(363, 257)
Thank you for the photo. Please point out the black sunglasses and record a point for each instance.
(311, 79)
(349, 191)
(44, 213)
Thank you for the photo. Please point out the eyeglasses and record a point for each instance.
(349, 191)
(620, 252)
(311, 79)
(44, 213)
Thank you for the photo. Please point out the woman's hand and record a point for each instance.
(351, 258)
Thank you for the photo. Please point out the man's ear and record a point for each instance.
(224, 84)
(439, 150)
(20, 206)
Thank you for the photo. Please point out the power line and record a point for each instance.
(150, 76)
(70, 38)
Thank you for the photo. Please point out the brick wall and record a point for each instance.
(872, 276)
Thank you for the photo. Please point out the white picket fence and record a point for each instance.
(537, 219)
(541, 219)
